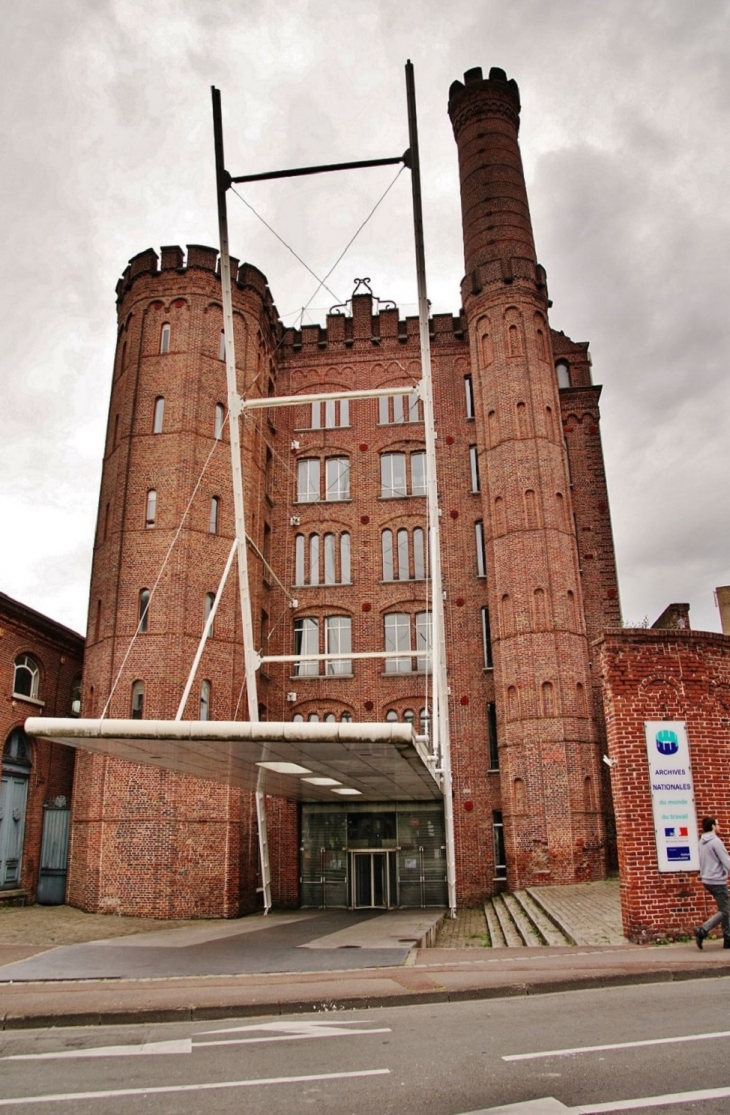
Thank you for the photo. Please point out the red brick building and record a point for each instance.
(337, 519)
(40, 675)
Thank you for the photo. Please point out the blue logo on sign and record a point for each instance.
(680, 854)
(667, 743)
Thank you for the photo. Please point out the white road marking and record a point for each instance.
(295, 1030)
(550, 1106)
(615, 1045)
(182, 1045)
(61, 1097)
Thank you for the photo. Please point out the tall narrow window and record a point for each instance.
(330, 571)
(338, 640)
(220, 412)
(143, 617)
(414, 407)
(338, 478)
(479, 541)
(26, 680)
(345, 559)
(151, 512)
(344, 412)
(209, 603)
(492, 735)
(306, 641)
(138, 700)
(213, 517)
(563, 373)
(419, 555)
(474, 468)
(159, 416)
(266, 554)
(403, 555)
(398, 408)
(383, 403)
(308, 481)
(76, 697)
(424, 722)
(314, 559)
(205, 698)
(165, 339)
(299, 560)
(330, 420)
(423, 641)
(393, 475)
(222, 346)
(418, 474)
(398, 637)
(486, 640)
(386, 541)
(500, 859)
(469, 393)
(316, 418)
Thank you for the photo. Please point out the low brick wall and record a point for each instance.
(664, 675)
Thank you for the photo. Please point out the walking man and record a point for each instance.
(714, 868)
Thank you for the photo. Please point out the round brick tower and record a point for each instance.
(147, 841)
(549, 758)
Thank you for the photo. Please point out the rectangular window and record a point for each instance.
(306, 641)
(213, 518)
(316, 415)
(397, 409)
(222, 346)
(159, 417)
(486, 640)
(393, 475)
(338, 640)
(308, 481)
(500, 859)
(423, 641)
(338, 478)
(398, 637)
(474, 468)
(383, 404)
(418, 474)
(469, 392)
(165, 339)
(492, 735)
(414, 409)
(329, 414)
(479, 540)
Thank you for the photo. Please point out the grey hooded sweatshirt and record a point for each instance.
(714, 860)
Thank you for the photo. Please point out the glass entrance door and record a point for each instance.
(370, 880)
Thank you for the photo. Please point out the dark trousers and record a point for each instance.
(719, 893)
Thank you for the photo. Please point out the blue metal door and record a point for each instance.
(13, 796)
(54, 854)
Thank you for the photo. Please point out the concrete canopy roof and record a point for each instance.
(374, 762)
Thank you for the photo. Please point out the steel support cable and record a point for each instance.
(162, 570)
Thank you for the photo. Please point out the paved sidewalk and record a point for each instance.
(590, 913)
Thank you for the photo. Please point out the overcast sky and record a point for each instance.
(107, 150)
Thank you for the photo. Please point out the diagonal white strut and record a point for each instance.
(234, 413)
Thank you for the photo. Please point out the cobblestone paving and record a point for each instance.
(64, 925)
(467, 930)
(590, 911)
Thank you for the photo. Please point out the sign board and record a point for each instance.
(672, 795)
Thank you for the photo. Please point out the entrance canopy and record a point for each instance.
(298, 761)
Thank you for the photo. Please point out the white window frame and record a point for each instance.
(306, 641)
(338, 640)
(158, 416)
(474, 468)
(397, 637)
(337, 479)
(309, 471)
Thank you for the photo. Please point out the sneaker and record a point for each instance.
(699, 935)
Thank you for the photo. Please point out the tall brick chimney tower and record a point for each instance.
(549, 757)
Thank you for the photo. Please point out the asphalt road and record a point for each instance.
(443, 1059)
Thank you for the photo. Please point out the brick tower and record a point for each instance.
(147, 841)
(549, 758)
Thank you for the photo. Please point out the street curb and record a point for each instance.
(317, 1004)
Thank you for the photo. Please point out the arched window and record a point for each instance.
(143, 617)
(346, 718)
(159, 415)
(16, 752)
(330, 571)
(530, 510)
(299, 560)
(409, 716)
(419, 555)
(424, 722)
(345, 559)
(539, 609)
(330, 718)
(563, 373)
(213, 519)
(297, 718)
(386, 541)
(403, 555)
(151, 512)
(205, 700)
(515, 348)
(522, 430)
(391, 715)
(209, 602)
(220, 412)
(137, 700)
(314, 559)
(27, 677)
(548, 699)
(313, 718)
(165, 339)
(76, 696)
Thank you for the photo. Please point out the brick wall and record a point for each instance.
(664, 675)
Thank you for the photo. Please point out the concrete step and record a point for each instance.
(496, 936)
(523, 923)
(548, 909)
(511, 934)
(13, 897)
(549, 933)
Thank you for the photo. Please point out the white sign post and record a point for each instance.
(672, 795)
